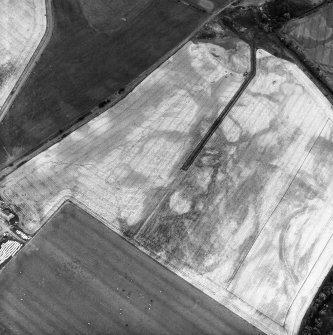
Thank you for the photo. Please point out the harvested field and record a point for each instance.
(312, 38)
(78, 277)
(249, 221)
(139, 144)
(251, 217)
(318, 319)
(22, 26)
(89, 60)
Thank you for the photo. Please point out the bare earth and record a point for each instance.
(250, 219)
(22, 26)
(78, 277)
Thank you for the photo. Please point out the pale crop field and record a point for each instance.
(9, 249)
(251, 218)
(119, 164)
(22, 26)
(249, 222)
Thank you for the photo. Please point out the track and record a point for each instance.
(189, 161)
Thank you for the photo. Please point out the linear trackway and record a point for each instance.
(189, 161)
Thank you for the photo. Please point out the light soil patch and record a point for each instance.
(22, 26)
(218, 225)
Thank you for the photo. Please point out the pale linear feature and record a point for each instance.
(9, 249)
(22, 27)
(214, 224)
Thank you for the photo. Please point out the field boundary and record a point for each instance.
(114, 99)
(300, 57)
(33, 60)
(196, 151)
(228, 318)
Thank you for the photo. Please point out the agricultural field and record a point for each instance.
(312, 38)
(97, 52)
(249, 221)
(134, 151)
(22, 26)
(79, 277)
(252, 216)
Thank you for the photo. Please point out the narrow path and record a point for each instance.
(32, 62)
(189, 161)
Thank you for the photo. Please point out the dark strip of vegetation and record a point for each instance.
(319, 317)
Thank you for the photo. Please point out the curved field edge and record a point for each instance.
(47, 116)
(24, 64)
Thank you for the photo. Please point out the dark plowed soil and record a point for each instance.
(78, 277)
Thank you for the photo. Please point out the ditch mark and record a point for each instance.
(193, 155)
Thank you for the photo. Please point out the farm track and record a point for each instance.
(189, 161)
